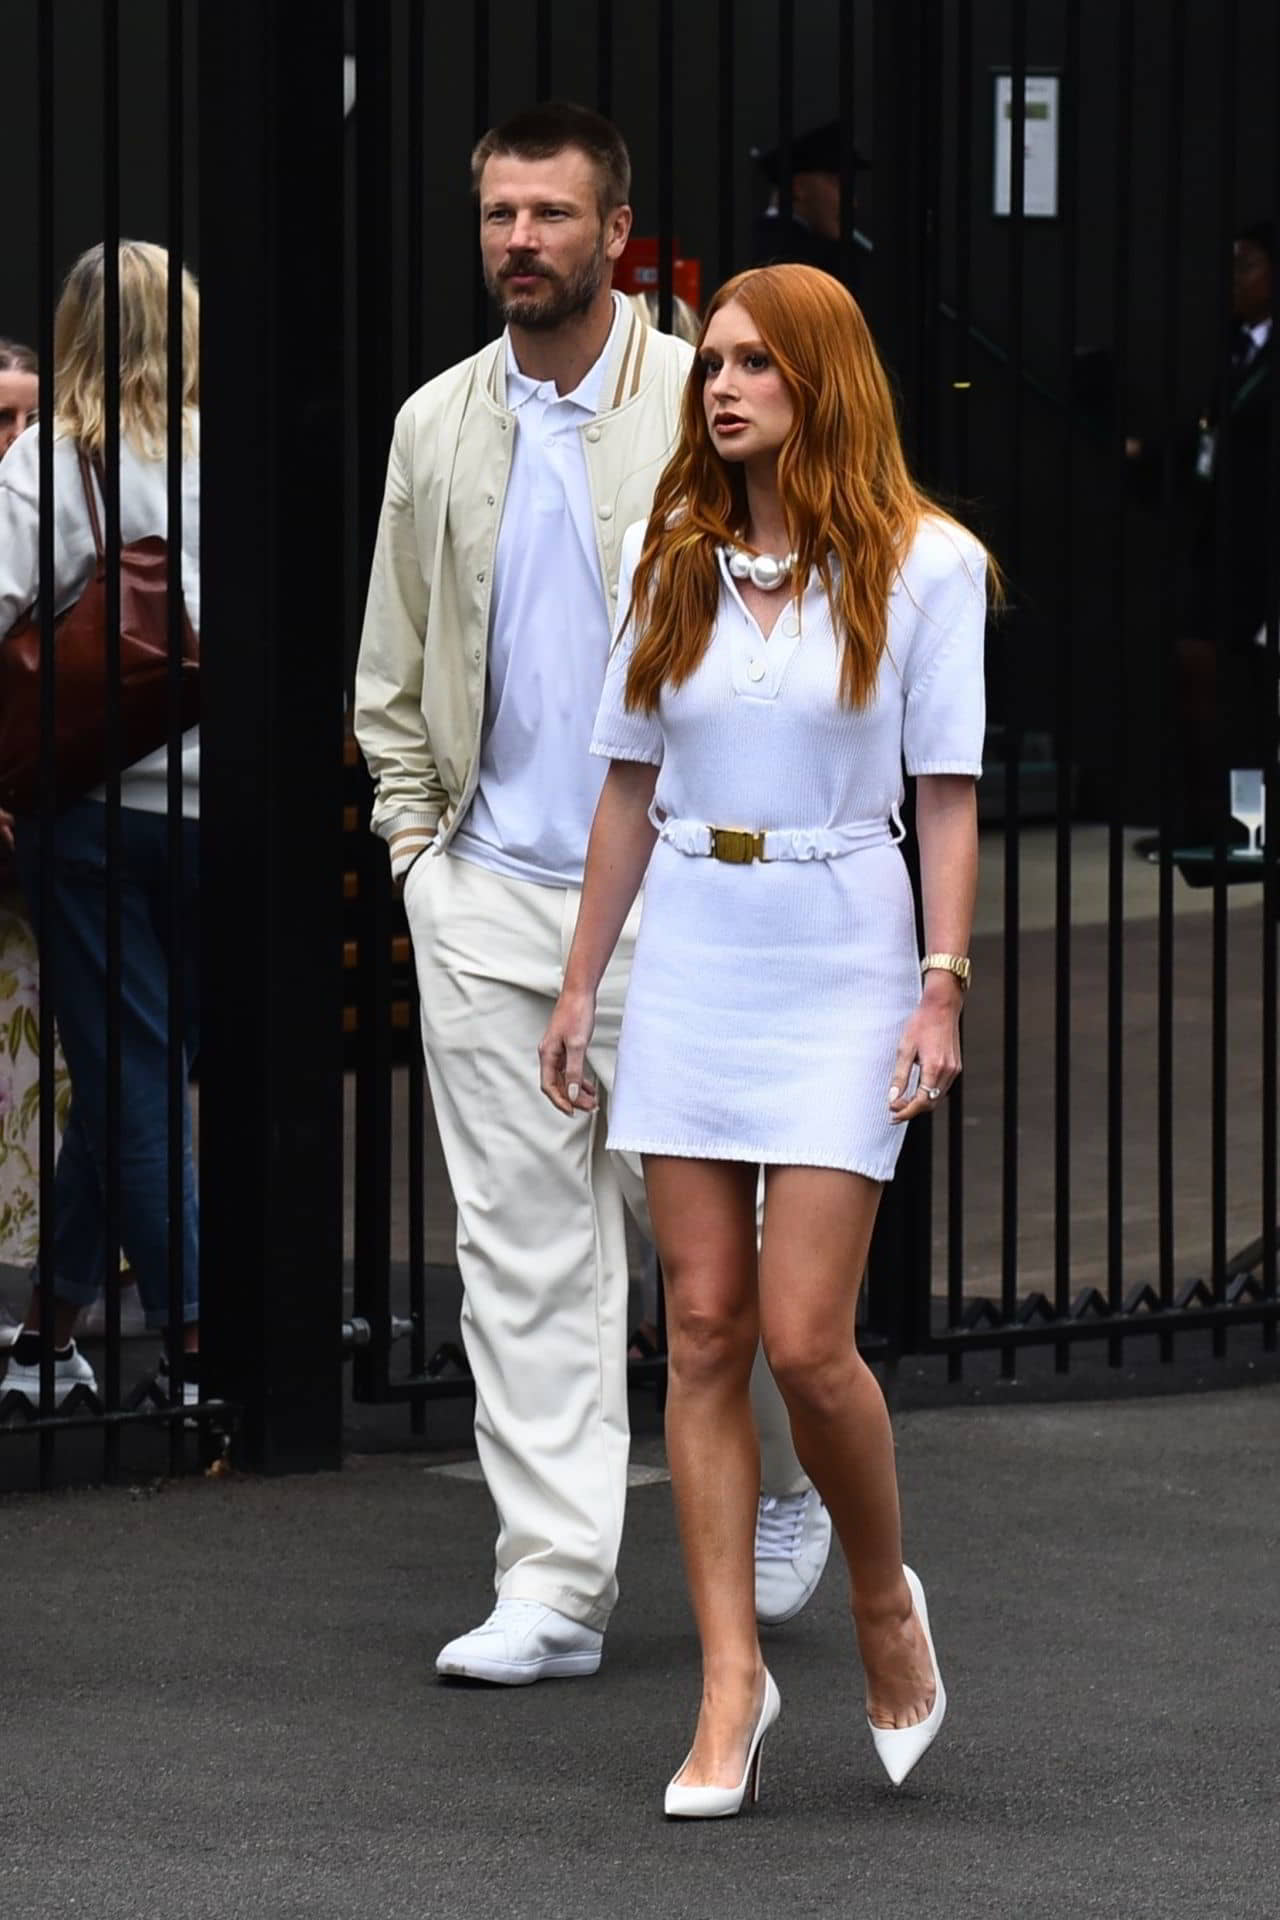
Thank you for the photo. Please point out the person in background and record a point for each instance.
(19, 391)
(810, 235)
(19, 961)
(685, 324)
(78, 853)
(1231, 476)
(796, 624)
(485, 644)
(20, 1079)
(1225, 470)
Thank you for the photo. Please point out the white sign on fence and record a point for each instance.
(1040, 179)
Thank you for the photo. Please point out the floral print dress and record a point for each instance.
(20, 1087)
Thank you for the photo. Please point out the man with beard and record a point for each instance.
(511, 481)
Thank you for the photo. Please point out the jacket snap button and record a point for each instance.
(489, 500)
(480, 578)
(593, 433)
(755, 669)
(476, 655)
(606, 513)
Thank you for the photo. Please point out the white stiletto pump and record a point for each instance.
(900, 1747)
(719, 1803)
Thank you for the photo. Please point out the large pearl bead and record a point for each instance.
(739, 564)
(768, 572)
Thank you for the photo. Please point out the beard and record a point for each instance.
(566, 297)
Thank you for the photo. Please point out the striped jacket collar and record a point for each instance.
(623, 372)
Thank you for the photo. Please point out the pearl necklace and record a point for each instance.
(763, 570)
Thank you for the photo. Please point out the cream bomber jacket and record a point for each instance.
(420, 678)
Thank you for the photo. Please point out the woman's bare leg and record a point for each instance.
(817, 1232)
(704, 1220)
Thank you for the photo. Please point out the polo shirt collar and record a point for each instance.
(587, 392)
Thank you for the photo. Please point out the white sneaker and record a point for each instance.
(793, 1539)
(72, 1371)
(520, 1642)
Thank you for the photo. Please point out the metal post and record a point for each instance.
(271, 138)
(899, 1277)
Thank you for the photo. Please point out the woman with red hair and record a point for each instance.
(797, 622)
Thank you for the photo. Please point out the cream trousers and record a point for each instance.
(541, 1237)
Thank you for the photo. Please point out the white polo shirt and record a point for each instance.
(549, 639)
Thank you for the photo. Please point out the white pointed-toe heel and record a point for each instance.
(719, 1803)
(900, 1747)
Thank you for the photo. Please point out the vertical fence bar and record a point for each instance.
(270, 110)
(542, 49)
(961, 397)
(899, 1283)
(846, 106)
(726, 45)
(375, 407)
(786, 107)
(1012, 693)
(1224, 610)
(604, 58)
(1119, 691)
(46, 1266)
(1064, 694)
(179, 934)
(481, 45)
(928, 238)
(666, 161)
(415, 1142)
(1167, 705)
(112, 1169)
(415, 198)
(1271, 854)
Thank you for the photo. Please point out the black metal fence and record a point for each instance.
(1044, 247)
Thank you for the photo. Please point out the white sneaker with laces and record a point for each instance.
(520, 1642)
(69, 1372)
(793, 1539)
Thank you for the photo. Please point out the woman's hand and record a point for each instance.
(562, 1053)
(930, 1038)
(6, 831)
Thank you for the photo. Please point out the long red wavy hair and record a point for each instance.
(851, 507)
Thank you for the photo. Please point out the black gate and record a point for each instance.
(1044, 247)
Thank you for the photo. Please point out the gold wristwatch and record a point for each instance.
(948, 963)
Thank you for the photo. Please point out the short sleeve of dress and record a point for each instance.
(945, 717)
(620, 734)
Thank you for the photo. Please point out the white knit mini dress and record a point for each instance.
(767, 1000)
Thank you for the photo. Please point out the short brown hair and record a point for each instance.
(541, 132)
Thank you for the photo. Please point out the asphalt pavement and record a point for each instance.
(220, 1700)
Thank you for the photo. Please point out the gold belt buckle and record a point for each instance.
(735, 845)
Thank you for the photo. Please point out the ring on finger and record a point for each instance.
(934, 1093)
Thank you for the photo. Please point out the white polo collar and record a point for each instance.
(585, 395)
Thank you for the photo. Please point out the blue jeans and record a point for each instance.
(77, 941)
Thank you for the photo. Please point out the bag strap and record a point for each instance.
(91, 500)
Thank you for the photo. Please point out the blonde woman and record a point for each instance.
(798, 622)
(76, 934)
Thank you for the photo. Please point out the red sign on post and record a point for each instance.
(637, 271)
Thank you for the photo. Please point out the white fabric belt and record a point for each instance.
(740, 845)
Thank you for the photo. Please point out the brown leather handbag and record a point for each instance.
(80, 675)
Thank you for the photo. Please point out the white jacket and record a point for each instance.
(144, 510)
(420, 680)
